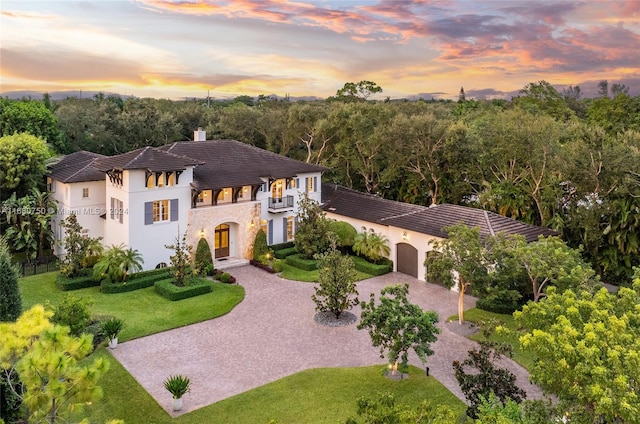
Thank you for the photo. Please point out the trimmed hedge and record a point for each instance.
(167, 289)
(66, 283)
(140, 282)
(363, 265)
(283, 253)
(282, 246)
(299, 262)
(143, 274)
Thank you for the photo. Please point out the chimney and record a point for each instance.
(199, 135)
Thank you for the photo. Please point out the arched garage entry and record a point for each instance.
(407, 259)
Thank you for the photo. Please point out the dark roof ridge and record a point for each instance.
(83, 168)
(403, 214)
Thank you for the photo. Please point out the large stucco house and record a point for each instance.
(224, 191)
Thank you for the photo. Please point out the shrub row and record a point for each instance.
(143, 274)
(281, 246)
(302, 263)
(167, 289)
(140, 282)
(267, 268)
(363, 265)
(66, 283)
(284, 253)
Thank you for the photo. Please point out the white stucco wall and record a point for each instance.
(149, 240)
(88, 209)
(395, 235)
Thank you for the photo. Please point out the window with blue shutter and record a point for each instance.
(315, 184)
(284, 229)
(148, 213)
(270, 233)
(173, 214)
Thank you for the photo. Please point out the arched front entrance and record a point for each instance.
(221, 241)
(407, 259)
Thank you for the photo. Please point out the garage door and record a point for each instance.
(407, 259)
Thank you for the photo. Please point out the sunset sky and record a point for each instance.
(178, 49)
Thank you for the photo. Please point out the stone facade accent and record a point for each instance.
(242, 218)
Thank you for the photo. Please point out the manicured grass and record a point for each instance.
(144, 312)
(296, 274)
(325, 395)
(526, 359)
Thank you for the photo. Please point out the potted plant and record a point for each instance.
(111, 328)
(177, 385)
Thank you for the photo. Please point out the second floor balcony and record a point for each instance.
(280, 204)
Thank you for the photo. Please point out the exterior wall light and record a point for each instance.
(405, 236)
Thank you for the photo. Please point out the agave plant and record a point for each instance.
(177, 385)
(112, 327)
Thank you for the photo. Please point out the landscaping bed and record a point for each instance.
(83, 281)
(137, 281)
(361, 264)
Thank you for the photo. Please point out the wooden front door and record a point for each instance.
(222, 241)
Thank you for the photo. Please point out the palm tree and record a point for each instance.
(373, 246)
(117, 263)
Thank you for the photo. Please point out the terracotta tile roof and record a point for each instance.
(230, 163)
(76, 167)
(151, 158)
(421, 219)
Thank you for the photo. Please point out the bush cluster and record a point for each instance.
(168, 290)
(262, 266)
(500, 301)
(281, 246)
(223, 277)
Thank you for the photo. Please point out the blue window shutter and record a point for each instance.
(173, 211)
(284, 229)
(298, 183)
(270, 235)
(112, 210)
(306, 184)
(315, 184)
(148, 213)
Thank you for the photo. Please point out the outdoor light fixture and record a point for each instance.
(405, 236)
(202, 233)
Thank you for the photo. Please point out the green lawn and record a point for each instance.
(326, 395)
(143, 311)
(526, 359)
(296, 274)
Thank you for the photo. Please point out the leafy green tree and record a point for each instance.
(396, 325)
(373, 246)
(461, 255)
(313, 229)
(479, 377)
(387, 410)
(33, 117)
(181, 260)
(491, 410)
(49, 363)
(203, 259)
(77, 247)
(586, 348)
(336, 290)
(541, 96)
(22, 164)
(361, 90)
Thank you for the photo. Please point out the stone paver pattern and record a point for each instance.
(272, 334)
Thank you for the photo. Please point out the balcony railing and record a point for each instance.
(280, 204)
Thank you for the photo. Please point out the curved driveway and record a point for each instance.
(272, 334)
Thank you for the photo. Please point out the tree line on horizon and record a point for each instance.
(546, 158)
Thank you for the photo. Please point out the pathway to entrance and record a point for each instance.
(272, 334)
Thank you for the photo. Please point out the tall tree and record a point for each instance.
(459, 261)
(361, 90)
(10, 299)
(313, 229)
(32, 117)
(586, 348)
(336, 290)
(397, 326)
(22, 164)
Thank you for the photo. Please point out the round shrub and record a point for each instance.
(260, 247)
(225, 277)
(203, 258)
(345, 233)
(277, 265)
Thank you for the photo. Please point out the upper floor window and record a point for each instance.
(276, 189)
(117, 210)
(160, 211)
(311, 184)
(290, 228)
(85, 192)
(161, 179)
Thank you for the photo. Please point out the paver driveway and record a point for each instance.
(272, 334)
